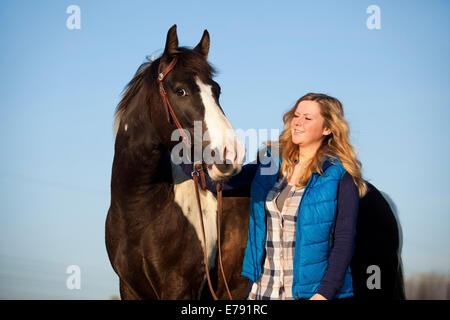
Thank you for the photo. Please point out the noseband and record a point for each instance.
(198, 171)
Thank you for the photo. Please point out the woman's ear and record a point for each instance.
(326, 131)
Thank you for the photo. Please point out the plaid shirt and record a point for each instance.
(276, 277)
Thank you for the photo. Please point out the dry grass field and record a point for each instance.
(428, 286)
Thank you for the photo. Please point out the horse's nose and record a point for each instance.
(229, 155)
(234, 152)
(232, 155)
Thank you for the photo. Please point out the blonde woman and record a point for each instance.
(303, 217)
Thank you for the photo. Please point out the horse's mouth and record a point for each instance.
(218, 172)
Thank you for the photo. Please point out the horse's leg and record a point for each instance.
(126, 292)
(173, 263)
(177, 287)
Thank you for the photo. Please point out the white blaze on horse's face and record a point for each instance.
(221, 134)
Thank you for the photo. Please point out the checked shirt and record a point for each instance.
(276, 277)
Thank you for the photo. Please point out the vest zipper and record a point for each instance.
(299, 211)
(297, 243)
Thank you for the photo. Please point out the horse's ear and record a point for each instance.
(171, 41)
(203, 45)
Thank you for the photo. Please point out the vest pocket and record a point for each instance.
(330, 239)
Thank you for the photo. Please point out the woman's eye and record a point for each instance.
(307, 118)
(181, 92)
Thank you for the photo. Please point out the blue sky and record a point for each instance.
(59, 89)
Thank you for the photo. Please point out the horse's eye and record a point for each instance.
(181, 92)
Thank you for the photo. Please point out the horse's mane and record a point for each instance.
(188, 61)
(130, 91)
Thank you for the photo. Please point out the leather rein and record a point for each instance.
(196, 173)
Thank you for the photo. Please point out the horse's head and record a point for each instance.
(193, 96)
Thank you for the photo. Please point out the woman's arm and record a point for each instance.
(235, 186)
(345, 231)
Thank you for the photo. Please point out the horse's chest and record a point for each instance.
(185, 198)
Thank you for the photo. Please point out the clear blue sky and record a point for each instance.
(59, 89)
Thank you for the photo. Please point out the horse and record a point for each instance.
(152, 230)
(376, 266)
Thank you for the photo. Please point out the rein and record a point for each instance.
(196, 173)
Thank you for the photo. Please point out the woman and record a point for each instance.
(303, 217)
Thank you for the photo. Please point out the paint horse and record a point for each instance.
(153, 230)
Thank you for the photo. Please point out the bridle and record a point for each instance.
(196, 173)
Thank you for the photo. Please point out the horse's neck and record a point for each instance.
(140, 162)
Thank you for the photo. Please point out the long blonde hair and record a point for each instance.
(335, 144)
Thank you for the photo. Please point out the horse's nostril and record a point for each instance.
(228, 156)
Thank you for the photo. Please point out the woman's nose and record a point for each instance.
(298, 121)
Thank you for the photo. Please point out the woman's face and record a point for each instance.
(307, 127)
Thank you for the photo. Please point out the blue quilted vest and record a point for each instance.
(314, 232)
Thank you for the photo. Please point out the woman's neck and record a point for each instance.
(307, 153)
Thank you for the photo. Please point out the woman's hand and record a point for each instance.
(317, 297)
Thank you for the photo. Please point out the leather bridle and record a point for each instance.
(196, 173)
